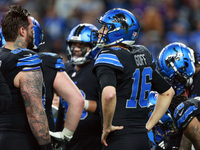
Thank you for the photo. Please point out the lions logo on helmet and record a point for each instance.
(176, 62)
(123, 27)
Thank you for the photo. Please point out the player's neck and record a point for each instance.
(77, 67)
(14, 45)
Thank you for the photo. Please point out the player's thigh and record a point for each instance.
(128, 142)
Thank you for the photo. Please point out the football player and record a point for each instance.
(24, 125)
(6, 101)
(178, 63)
(126, 73)
(81, 48)
(56, 79)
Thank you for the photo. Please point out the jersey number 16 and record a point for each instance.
(145, 87)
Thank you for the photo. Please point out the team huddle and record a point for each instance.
(113, 94)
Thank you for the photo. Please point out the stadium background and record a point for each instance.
(162, 21)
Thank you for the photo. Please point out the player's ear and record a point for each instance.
(22, 31)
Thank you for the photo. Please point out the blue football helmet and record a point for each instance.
(2, 40)
(38, 34)
(123, 27)
(87, 34)
(176, 61)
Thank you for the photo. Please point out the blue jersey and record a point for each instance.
(88, 133)
(14, 123)
(186, 111)
(12, 62)
(136, 75)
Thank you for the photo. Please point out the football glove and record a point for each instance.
(64, 136)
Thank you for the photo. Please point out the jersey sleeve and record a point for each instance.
(185, 112)
(108, 58)
(159, 84)
(52, 61)
(27, 60)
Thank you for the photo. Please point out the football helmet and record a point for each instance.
(38, 34)
(123, 27)
(176, 61)
(2, 40)
(87, 34)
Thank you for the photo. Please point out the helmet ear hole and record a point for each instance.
(186, 64)
(105, 39)
(111, 27)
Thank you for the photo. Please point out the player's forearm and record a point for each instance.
(90, 106)
(185, 143)
(39, 125)
(73, 117)
(161, 107)
(108, 105)
(31, 91)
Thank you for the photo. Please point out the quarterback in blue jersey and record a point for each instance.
(24, 125)
(126, 74)
(81, 47)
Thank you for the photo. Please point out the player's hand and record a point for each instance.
(59, 139)
(107, 131)
(59, 136)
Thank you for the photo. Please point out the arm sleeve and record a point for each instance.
(106, 76)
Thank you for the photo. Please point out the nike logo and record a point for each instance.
(180, 112)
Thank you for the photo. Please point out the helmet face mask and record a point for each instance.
(85, 35)
(176, 62)
(123, 27)
(78, 51)
(37, 35)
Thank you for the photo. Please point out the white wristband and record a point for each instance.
(86, 104)
(68, 133)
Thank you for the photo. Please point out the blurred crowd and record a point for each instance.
(162, 21)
